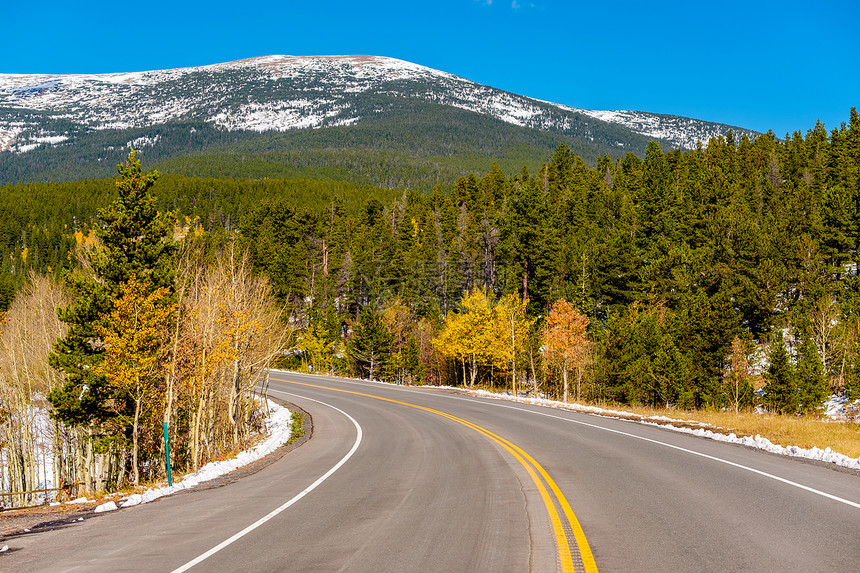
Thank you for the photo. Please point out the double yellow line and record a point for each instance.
(533, 468)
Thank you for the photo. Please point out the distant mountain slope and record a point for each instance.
(61, 126)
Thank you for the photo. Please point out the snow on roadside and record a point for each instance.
(758, 442)
(835, 409)
(278, 426)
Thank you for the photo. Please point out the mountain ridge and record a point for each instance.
(278, 94)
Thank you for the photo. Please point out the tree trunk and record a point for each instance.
(233, 405)
(134, 430)
(578, 384)
(564, 378)
(87, 465)
(525, 281)
(513, 355)
(195, 434)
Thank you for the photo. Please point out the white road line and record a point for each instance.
(679, 448)
(693, 452)
(275, 512)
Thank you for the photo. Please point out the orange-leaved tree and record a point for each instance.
(566, 342)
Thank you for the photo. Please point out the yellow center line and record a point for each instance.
(521, 456)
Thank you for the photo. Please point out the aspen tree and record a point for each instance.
(134, 335)
(566, 343)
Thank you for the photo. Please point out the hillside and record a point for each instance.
(279, 111)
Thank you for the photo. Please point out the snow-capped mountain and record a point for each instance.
(280, 93)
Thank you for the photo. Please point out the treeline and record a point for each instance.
(153, 332)
(42, 224)
(688, 266)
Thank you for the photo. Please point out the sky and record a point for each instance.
(758, 64)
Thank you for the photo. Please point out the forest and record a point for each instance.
(150, 339)
(720, 277)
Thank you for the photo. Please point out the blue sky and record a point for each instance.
(763, 65)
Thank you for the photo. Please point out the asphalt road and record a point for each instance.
(403, 479)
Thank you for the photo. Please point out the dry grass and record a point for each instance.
(841, 437)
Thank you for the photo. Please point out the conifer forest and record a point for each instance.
(723, 276)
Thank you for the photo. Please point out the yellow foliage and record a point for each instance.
(510, 329)
(398, 319)
(484, 334)
(91, 240)
(134, 336)
(313, 343)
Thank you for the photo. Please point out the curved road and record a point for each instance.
(404, 479)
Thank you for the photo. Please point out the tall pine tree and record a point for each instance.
(811, 381)
(781, 389)
(134, 240)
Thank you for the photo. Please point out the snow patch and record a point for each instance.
(52, 139)
(143, 141)
(109, 506)
(8, 135)
(296, 92)
(758, 442)
(278, 427)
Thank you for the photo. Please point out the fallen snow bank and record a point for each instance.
(825, 455)
(278, 426)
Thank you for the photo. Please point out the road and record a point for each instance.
(406, 479)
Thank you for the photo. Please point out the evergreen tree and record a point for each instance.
(135, 240)
(369, 345)
(780, 389)
(811, 381)
(527, 246)
(654, 194)
(135, 236)
(852, 375)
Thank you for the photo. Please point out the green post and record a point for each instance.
(167, 454)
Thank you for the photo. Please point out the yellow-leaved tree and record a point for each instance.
(134, 335)
(468, 336)
(510, 331)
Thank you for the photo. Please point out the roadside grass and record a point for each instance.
(805, 432)
(297, 427)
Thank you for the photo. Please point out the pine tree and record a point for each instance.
(780, 389)
(526, 246)
(811, 381)
(369, 346)
(134, 235)
(134, 240)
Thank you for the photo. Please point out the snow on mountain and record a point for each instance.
(282, 93)
(682, 131)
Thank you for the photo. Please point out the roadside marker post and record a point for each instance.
(167, 454)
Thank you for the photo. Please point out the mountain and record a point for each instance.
(293, 112)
